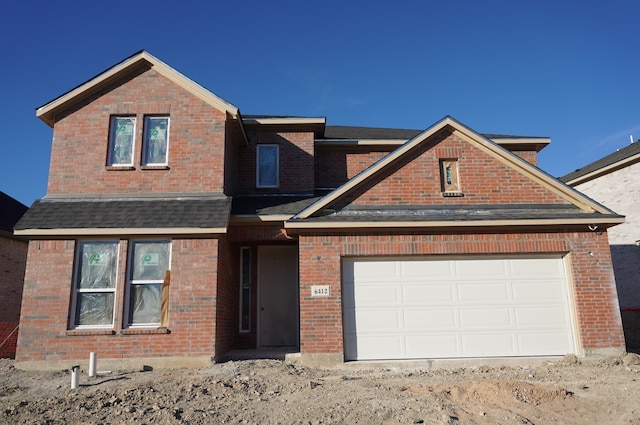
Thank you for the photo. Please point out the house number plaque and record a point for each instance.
(320, 291)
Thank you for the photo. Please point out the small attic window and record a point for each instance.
(449, 177)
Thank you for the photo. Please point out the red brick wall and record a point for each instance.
(196, 141)
(296, 161)
(47, 295)
(529, 156)
(483, 180)
(13, 260)
(335, 167)
(226, 324)
(592, 277)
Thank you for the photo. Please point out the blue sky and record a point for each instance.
(563, 69)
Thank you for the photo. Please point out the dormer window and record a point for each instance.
(155, 144)
(267, 174)
(121, 139)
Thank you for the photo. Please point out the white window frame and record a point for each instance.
(112, 140)
(242, 279)
(260, 148)
(145, 141)
(130, 282)
(74, 316)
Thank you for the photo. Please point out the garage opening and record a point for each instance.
(435, 307)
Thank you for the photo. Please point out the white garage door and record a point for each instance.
(433, 308)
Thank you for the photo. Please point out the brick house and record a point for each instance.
(13, 260)
(614, 181)
(175, 229)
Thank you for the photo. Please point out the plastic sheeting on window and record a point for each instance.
(150, 260)
(99, 265)
(122, 134)
(94, 308)
(156, 137)
(96, 283)
(146, 300)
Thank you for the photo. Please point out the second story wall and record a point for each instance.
(294, 168)
(80, 160)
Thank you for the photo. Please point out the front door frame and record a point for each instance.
(262, 280)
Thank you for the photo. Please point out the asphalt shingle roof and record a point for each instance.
(271, 204)
(455, 213)
(127, 214)
(611, 159)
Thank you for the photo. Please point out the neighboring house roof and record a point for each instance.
(136, 216)
(617, 160)
(584, 209)
(48, 111)
(10, 212)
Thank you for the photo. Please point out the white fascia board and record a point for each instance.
(360, 142)
(442, 224)
(258, 218)
(284, 121)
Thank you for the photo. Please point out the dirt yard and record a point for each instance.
(274, 392)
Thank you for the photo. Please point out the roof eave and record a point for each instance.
(121, 231)
(604, 222)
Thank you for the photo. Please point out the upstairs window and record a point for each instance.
(156, 141)
(267, 166)
(121, 137)
(95, 284)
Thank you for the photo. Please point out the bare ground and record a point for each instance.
(603, 391)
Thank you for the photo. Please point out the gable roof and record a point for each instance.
(615, 161)
(48, 111)
(583, 203)
(10, 212)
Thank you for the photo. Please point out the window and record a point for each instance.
(95, 284)
(245, 289)
(449, 176)
(267, 166)
(121, 137)
(156, 140)
(149, 262)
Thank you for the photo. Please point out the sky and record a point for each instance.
(561, 69)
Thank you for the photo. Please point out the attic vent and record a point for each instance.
(449, 179)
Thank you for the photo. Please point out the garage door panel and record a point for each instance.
(488, 345)
(377, 295)
(449, 308)
(430, 319)
(547, 317)
(379, 346)
(416, 293)
(378, 320)
(488, 292)
(371, 271)
(434, 269)
(486, 318)
(530, 343)
(432, 345)
(480, 269)
(541, 268)
(536, 291)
